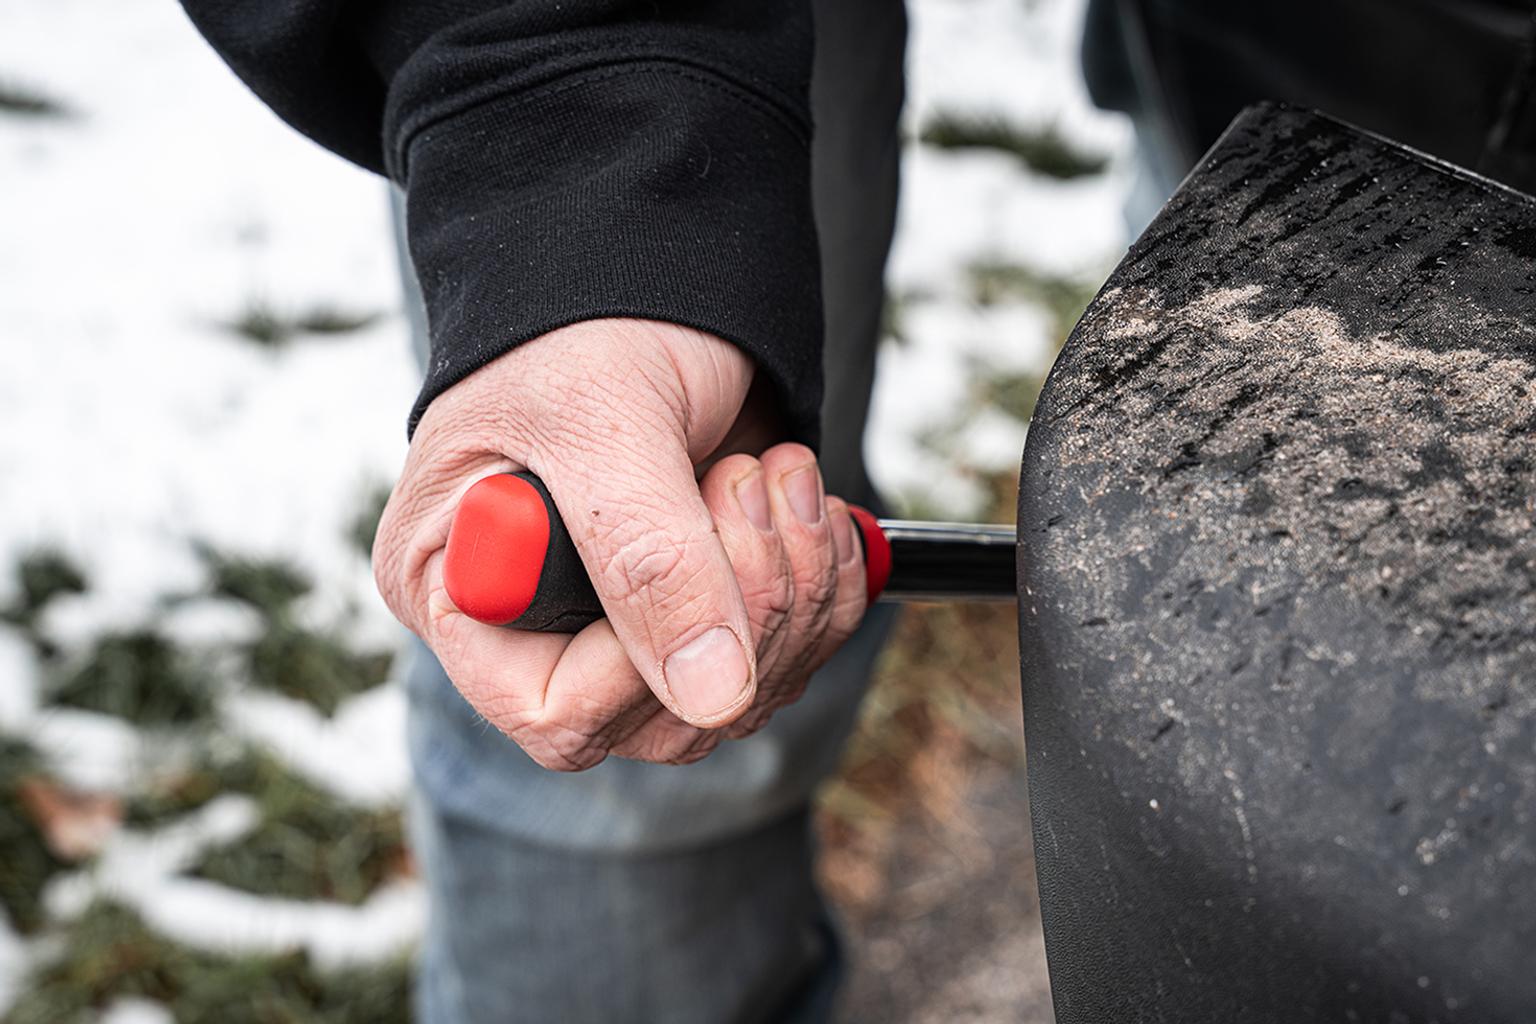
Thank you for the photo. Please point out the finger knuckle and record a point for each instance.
(840, 628)
(549, 739)
(669, 745)
(819, 587)
(790, 453)
(745, 727)
(692, 751)
(505, 708)
(771, 601)
(560, 748)
(692, 756)
(649, 566)
(850, 608)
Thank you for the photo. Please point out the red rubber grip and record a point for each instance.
(877, 552)
(496, 549)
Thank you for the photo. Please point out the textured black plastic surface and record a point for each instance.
(1278, 599)
(564, 601)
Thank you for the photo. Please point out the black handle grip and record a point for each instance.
(510, 561)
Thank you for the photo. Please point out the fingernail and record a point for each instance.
(709, 674)
(753, 498)
(803, 488)
(847, 542)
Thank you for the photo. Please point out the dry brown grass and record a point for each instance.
(944, 702)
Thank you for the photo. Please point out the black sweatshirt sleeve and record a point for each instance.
(569, 159)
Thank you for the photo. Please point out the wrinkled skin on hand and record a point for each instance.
(727, 574)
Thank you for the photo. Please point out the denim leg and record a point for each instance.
(729, 933)
(472, 773)
(628, 892)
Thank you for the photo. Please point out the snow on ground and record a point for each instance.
(173, 201)
(1016, 59)
(169, 204)
(142, 871)
(341, 753)
(18, 699)
(136, 1011)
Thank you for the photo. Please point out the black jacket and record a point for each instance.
(569, 159)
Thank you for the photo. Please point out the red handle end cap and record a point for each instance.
(877, 551)
(496, 549)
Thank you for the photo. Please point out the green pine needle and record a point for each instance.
(308, 845)
(26, 863)
(317, 667)
(1044, 150)
(269, 585)
(271, 328)
(110, 953)
(23, 100)
(139, 675)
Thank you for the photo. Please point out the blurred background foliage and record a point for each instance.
(109, 954)
(1042, 149)
(305, 843)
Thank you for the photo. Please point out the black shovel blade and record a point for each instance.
(1277, 531)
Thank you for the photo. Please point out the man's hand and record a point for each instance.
(723, 593)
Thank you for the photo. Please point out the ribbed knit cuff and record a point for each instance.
(645, 189)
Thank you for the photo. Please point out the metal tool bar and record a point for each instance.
(949, 561)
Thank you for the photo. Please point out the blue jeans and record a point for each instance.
(630, 892)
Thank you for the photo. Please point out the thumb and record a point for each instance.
(662, 574)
